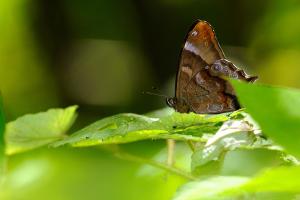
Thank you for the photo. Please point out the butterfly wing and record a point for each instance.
(196, 89)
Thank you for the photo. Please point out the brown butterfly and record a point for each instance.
(202, 84)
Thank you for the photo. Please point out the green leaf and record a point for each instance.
(236, 150)
(276, 110)
(35, 130)
(233, 134)
(281, 181)
(124, 128)
(251, 160)
(208, 189)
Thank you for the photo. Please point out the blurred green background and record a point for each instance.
(102, 55)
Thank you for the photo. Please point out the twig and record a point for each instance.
(171, 149)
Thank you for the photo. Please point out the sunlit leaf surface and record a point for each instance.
(35, 130)
(123, 128)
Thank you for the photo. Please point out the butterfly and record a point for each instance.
(202, 84)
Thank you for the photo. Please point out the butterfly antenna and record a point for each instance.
(155, 94)
(155, 89)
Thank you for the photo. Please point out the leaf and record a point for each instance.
(124, 128)
(236, 150)
(281, 181)
(276, 110)
(208, 189)
(233, 134)
(35, 130)
(164, 112)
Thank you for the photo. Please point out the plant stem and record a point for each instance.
(171, 149)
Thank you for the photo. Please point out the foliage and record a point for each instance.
(277, 112)
(128, 127)
(230, 156)
(35, 130)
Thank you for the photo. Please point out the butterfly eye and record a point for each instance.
(194, 33)
(171, 102)
(217, 67)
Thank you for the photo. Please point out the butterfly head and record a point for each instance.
(171, 101)
(179, 104)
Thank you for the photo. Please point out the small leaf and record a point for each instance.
(124, 128)
(35, 130)
(276, 110)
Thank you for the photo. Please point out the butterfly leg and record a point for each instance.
(227, 69)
